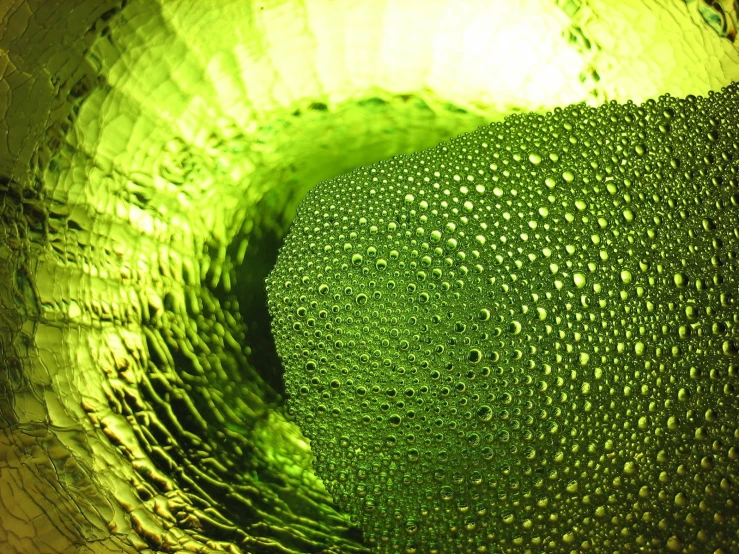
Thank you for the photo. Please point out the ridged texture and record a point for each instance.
(152, 154)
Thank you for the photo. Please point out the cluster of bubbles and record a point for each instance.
(525, 339)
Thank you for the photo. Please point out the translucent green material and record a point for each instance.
(153, 154)
(525, 339)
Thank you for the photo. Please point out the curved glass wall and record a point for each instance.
(153, 155)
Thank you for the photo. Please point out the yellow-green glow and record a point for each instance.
(151, 160)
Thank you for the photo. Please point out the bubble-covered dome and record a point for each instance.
(525, 339)
(152, 156)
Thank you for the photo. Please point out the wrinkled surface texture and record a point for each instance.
(152, 156)
(525, 339)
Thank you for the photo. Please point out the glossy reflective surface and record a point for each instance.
(153, 155)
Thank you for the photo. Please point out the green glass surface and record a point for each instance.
(153, 155)
(524, 339)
